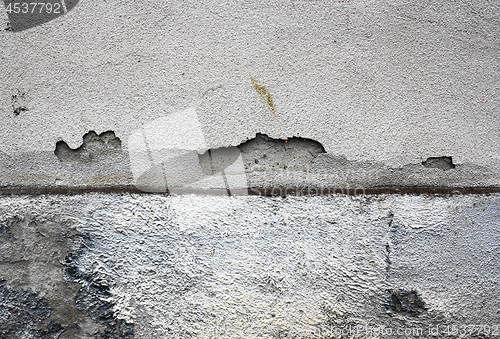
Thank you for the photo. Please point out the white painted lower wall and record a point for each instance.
(295, 267)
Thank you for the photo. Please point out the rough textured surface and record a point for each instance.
(33, 249)
(21, 311)
(265, 154)
(152, 266)
(385, 82)
(246, 97)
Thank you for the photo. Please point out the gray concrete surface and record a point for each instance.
(190, 266)
(389, 83)
(265, 110)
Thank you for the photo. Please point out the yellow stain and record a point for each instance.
(264, 94)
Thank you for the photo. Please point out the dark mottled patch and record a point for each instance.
(92, 296)
(5, 226)
(118, 329)
(18, 101)
(405, 302)
(281, 334)
(21, 311)
(32, 252)
(54, 329)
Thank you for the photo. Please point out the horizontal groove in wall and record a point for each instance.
(268, 191)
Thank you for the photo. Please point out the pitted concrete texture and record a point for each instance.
(187, 266)
(386, 82)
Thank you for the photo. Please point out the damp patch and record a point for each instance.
(443, 163)
(93, 147)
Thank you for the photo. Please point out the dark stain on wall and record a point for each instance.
(22, 311)
(405, 302)
(18, 101)
(41, 256)
(31, 252)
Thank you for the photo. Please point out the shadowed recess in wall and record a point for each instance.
(218, 159)
(444, 163)
(264, 153)
(267, 154)
(93, 147)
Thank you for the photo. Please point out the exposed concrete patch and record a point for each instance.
(265, 154)
(444, 163)
(339, 172)
(294, 166)
(93, 146)
(211, 163)
(260, 154)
